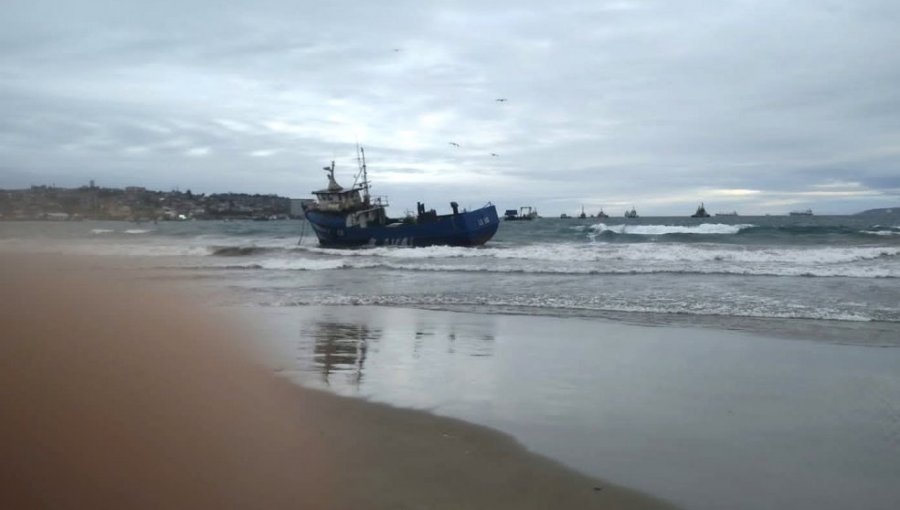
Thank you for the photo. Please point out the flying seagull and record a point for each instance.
(500, 99)
(495, 154)
(454, 144)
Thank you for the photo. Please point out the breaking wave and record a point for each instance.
(602, 252)
(539, 303)
(878, 230)
(587, 259)
(657, 230)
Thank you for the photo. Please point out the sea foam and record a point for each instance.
(656, 230)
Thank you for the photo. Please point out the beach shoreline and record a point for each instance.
(119, 365)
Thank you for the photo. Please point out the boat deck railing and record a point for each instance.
(379, 201)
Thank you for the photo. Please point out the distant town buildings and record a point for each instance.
(136, 203)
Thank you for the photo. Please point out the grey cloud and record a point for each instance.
(607, 101)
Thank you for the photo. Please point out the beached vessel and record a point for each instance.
(701, 212)
(524, 213)
(351, 217)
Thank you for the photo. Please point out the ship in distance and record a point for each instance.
(525, 213)
(701, 212)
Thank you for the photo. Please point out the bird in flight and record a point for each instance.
(495, 155)
(454, 144)
(500, 100)
(396, 50)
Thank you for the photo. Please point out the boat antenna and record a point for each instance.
(332, 184)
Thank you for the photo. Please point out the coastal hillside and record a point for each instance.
(880, 211)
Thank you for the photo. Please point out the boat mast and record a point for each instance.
(365, 177)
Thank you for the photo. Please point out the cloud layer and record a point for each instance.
(757, 106)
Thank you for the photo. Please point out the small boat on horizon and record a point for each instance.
(632, 213)
(351, 217)
(805, 212)
(602, 214)
(526, 213)
(732, 213)
(701, 212)
(582, 215)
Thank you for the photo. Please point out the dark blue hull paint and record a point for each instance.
(469, 228)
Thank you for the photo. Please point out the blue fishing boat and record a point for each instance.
(349, 217)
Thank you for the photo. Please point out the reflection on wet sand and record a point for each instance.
(422, 332)
(336, 346)
(476, 346)
(341, 347)
(484, 347)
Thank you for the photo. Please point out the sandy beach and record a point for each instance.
(118, 394)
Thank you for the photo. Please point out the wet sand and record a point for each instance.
(704, 418)
(120, 394)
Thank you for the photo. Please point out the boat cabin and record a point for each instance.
(354, 206)
(337, 199)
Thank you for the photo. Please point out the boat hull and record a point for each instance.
(469, 228)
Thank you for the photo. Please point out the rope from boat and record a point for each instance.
(302, 231)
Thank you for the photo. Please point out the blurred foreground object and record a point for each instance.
(119, 396)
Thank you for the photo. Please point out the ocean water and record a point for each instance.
(741, 363)
(772, 273)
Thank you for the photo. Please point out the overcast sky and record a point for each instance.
(756, 106)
